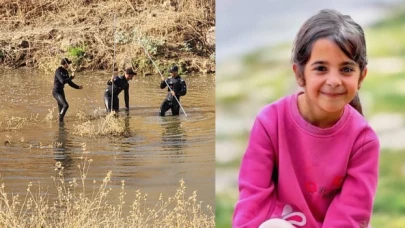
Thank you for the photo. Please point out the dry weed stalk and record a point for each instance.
(77, 206)
(16, 123)
(49, 116)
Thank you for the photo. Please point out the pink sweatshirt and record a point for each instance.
(326, 177)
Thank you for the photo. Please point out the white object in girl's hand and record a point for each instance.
(276, 223)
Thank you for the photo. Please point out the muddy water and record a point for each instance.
(158, 152)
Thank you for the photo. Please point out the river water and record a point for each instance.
(156, 154)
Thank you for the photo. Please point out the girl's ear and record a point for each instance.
(363, 74)
(298, 77)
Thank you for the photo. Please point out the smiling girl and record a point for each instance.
(312, 158)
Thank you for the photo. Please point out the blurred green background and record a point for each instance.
(246, 83)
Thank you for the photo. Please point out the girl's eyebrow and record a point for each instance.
(350, 63)
(319, 63)
(345, 63)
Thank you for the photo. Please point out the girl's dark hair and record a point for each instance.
(341, 29)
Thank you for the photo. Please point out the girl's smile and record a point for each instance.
(332, 94)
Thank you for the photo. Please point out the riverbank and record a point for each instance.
(39, 33)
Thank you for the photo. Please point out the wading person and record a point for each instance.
(114, 89)
(312, 158)
(61, 78)
(177, 88)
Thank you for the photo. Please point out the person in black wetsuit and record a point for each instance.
(177, 88)
(120, 83)
(61, 78)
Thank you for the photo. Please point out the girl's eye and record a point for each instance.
(347, 70)
(320, 68)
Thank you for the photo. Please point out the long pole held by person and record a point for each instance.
(112, 77)
(163, 78)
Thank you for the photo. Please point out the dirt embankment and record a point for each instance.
(38, 33)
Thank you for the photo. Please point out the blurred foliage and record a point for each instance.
(224, 210)
(391, 31)
(385, 84)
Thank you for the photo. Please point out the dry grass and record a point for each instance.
(75, 205)
(168, 27)
(109, 125)
(97, 124)
(16, 123)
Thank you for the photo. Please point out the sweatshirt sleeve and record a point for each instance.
(256, 189)
(352, 207)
